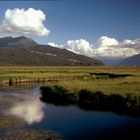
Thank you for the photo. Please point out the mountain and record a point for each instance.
(21, 41)
(25, 51)
(131, 61)
(110, 61)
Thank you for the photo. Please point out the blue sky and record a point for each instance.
(96, 28)
(88, 19)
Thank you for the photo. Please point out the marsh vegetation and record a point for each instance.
(108, 80)
(91, 89)
(90, 100)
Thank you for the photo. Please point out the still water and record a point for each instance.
(70, 121)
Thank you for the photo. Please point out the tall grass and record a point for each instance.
(76, 78)
(90, 100)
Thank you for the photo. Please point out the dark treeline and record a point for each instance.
(89, 100)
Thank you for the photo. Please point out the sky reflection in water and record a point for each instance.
(30, 110)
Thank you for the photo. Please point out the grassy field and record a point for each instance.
(77, 78)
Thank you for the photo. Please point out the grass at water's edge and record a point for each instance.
(109, 80)
(89, 100)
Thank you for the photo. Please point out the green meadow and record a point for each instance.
(123, 80)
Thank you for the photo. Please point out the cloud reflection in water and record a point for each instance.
(30, 111)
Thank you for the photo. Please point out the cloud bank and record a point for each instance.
(55, 45)
(21, 21)
(105, 41)
(112, 48)
(106, 47)
(80, 46)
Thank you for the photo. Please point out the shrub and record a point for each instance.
(58, 95)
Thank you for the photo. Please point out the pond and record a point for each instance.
(70, 121)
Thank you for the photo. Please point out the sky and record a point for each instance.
(82, 26)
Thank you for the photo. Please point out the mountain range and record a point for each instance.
(131, 61)
(25, 51)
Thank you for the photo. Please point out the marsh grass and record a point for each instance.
(10, 122)
(75, 78)
(89, 100)
(29, 134)
(107, 86)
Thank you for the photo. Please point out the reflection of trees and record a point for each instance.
(88, 100)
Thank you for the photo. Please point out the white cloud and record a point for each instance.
(80, 46)
(116, 52)
(21, 21)
(128, 41)
(105, 41)
(106, 48)
(55, 45)
(112, 48)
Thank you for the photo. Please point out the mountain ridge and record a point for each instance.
(25, 51)
(131, 61)
(20, 41)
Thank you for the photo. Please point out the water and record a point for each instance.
(69, 121)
